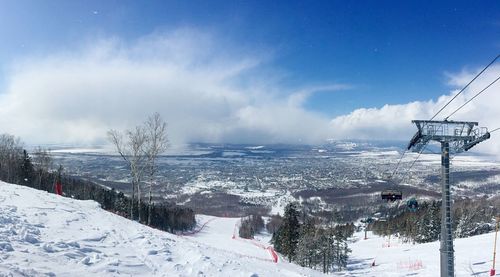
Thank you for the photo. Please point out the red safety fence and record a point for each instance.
(273, 253)
(270, 249)
(410, 265)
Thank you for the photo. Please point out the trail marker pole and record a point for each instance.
(492, 271)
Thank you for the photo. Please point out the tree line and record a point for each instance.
(309, 242)
(251, 225)
(470, 217)
(36, 171)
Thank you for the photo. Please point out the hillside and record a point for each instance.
(42, 234)
(473, 257)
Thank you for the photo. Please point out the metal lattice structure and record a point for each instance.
(462, 135)
(457, 137)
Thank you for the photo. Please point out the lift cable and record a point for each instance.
(476, 95)
(440, 110)
(423, 148)
(466, 86)
(397, 165)
(407, 173)
(418, 156)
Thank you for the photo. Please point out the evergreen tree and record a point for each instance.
(287, 237)
(430, 224)
(325, 249)
(307, 245)
(435, 221)
(341, 251)
(27, 169)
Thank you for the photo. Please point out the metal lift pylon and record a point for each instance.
(455, 136)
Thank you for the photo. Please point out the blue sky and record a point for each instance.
(392, 51)
(387, 52)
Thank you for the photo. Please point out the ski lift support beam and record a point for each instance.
(457, 137)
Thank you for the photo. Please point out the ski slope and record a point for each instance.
(43, 234)
(473, 257)
(222, 233)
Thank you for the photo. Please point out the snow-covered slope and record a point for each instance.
(473, 257)
(42, 234)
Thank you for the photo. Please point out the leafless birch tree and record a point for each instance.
(156, 143)
(132, 151)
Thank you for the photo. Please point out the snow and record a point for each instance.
(460, 160)
(473, 257)
(202, 184)
(43, 234)
(255, 147)
(378, 153)
(343, 145)
(222, 233)
(278, 206)
(82, 151)
(232, 154)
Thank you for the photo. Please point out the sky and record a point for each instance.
(243, 71)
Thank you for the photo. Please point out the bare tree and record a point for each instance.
(156, 143)
(43, 163)
(11, 149)
(132, 151)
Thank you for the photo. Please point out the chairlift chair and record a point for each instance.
(391, 195)
(412, 204)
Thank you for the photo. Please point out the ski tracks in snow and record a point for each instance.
(225, 237)
(43, 234)
(79, 240)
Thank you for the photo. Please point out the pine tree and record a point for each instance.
(429, 224)
(289, 231)
(435, 221)
(306, 245)
(324, 249)
(341, 251)
(27, 170)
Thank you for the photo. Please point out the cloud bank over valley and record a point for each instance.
(207, 90)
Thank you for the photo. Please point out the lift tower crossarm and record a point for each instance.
(445, 130)
(457, 136)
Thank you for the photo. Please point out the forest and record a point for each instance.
(310, 242)
(470, 217)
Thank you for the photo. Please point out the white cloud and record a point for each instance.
(394, 121)
(194, 80)
(207, 90)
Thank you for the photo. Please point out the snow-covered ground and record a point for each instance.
(42, 234)
(473, 257)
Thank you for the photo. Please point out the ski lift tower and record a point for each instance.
(454, 136)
